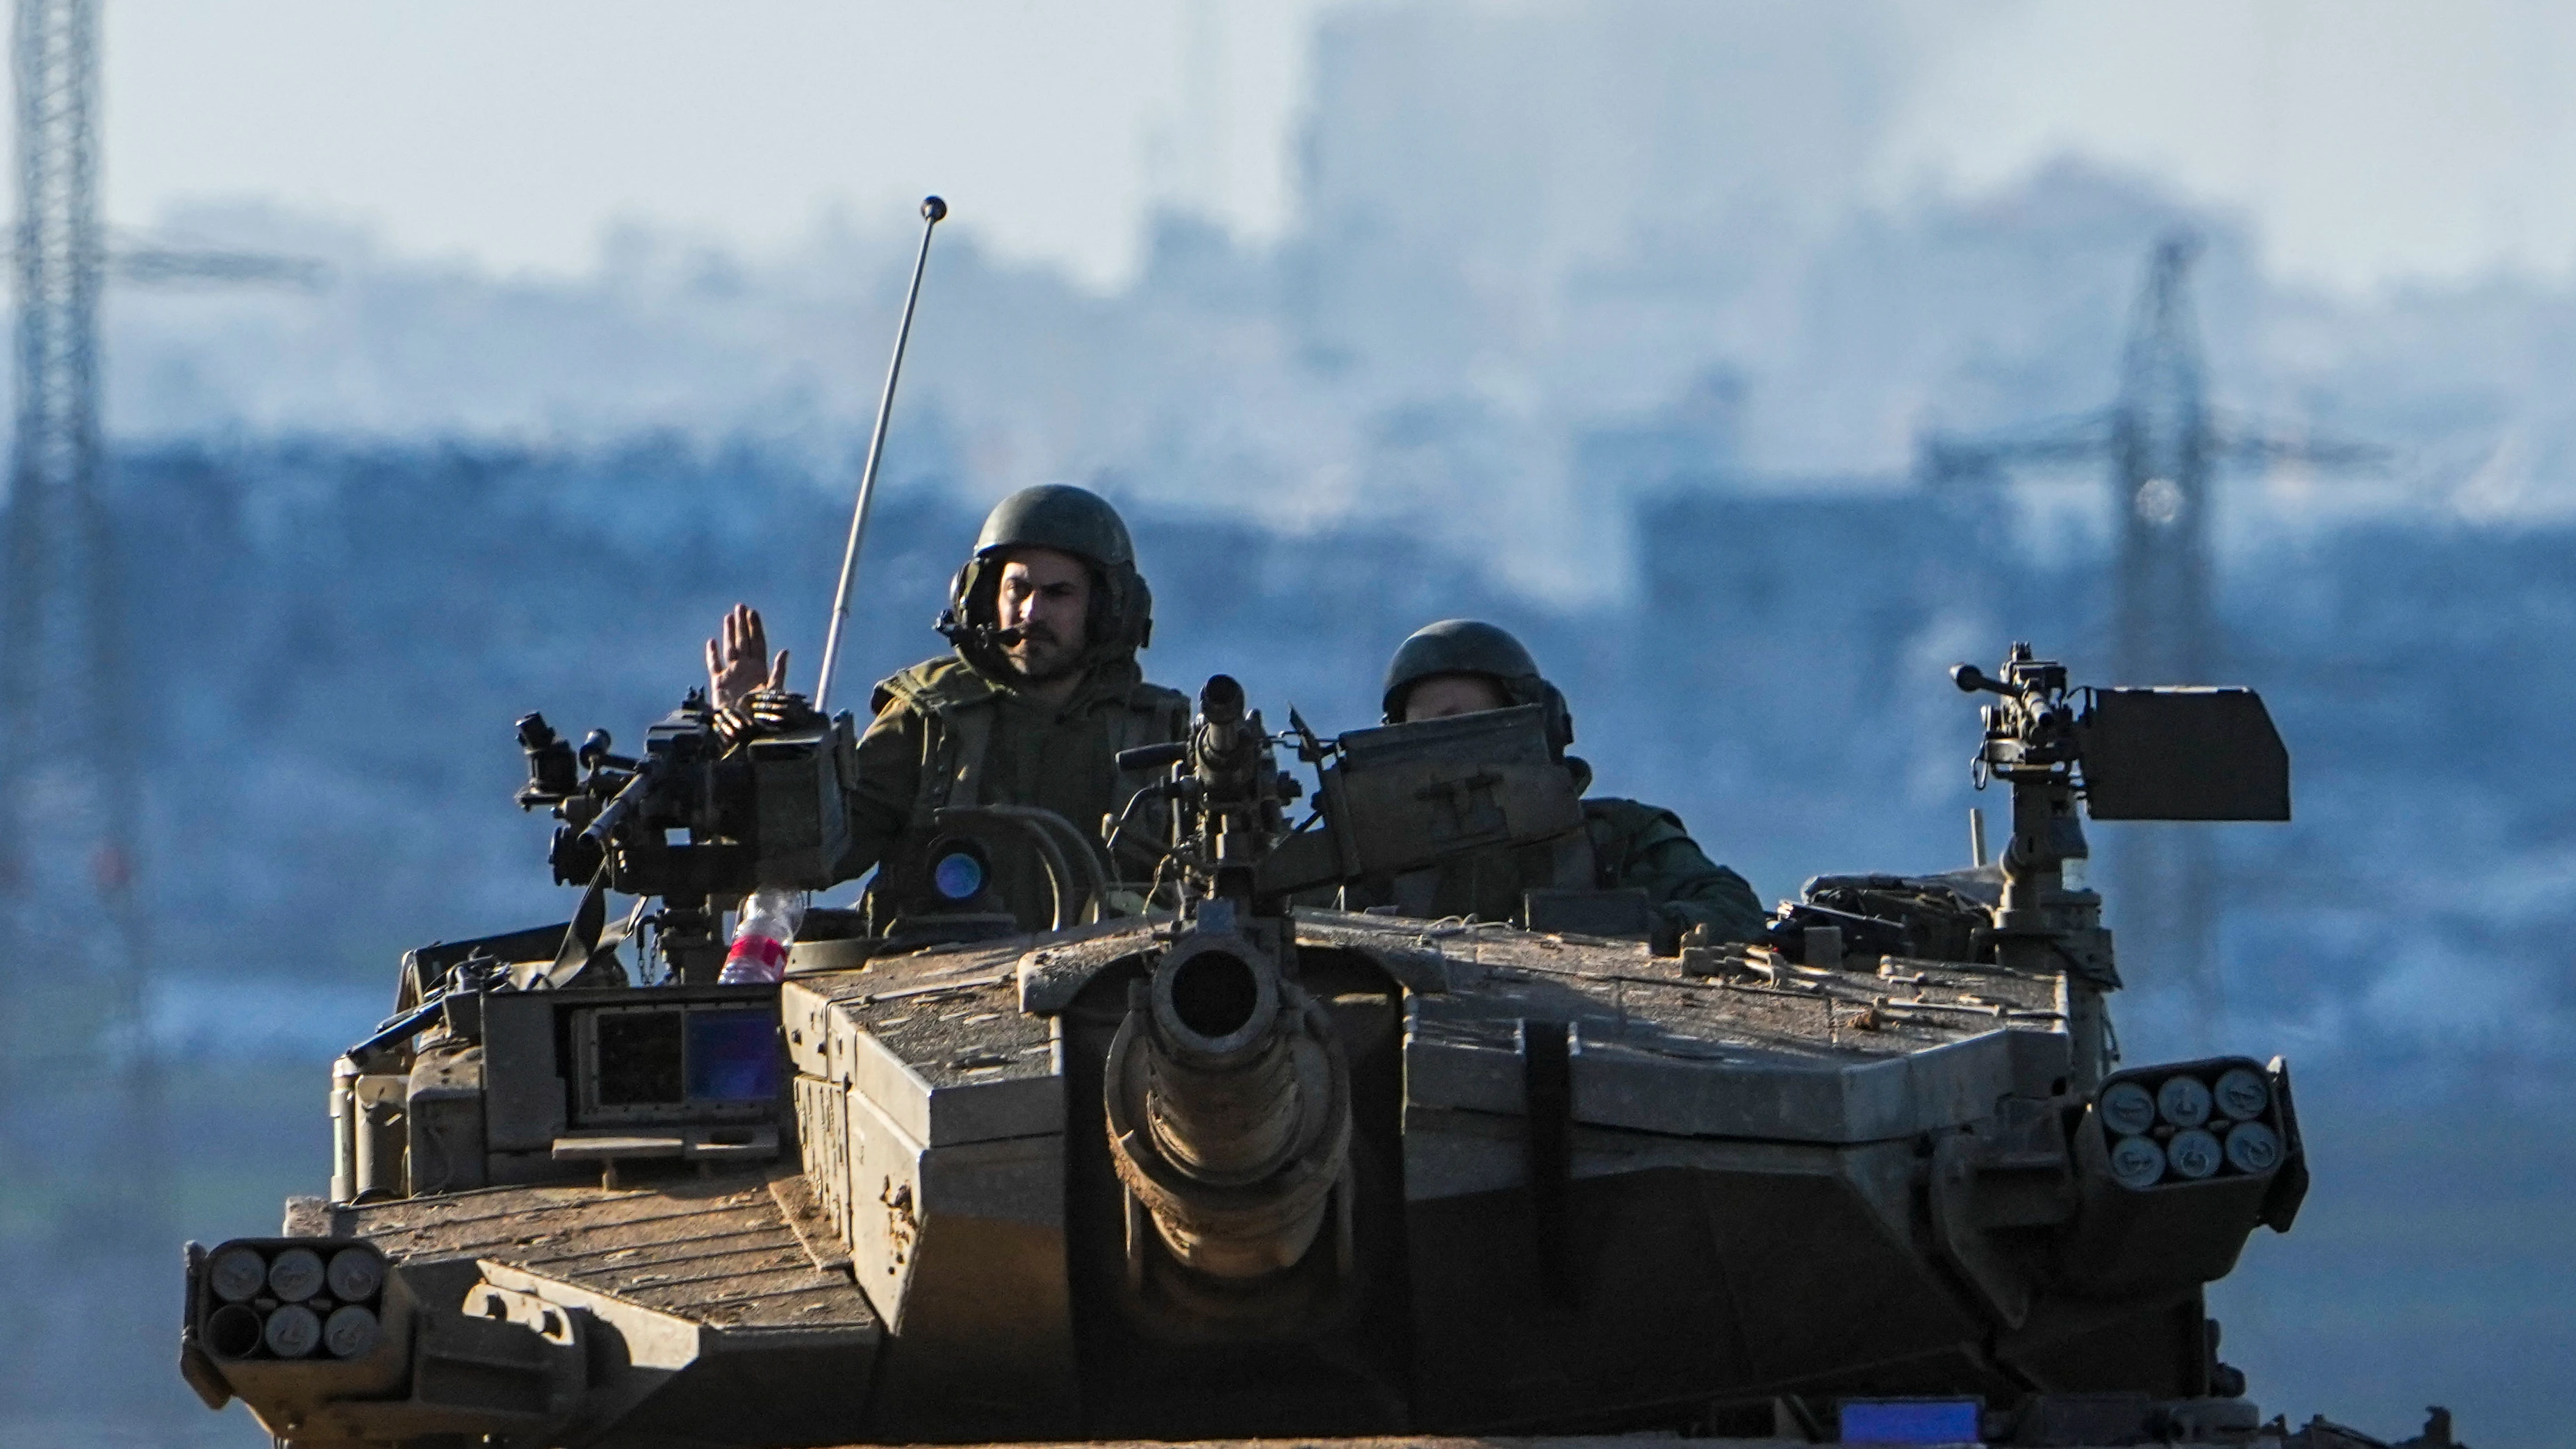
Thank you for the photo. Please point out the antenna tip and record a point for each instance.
(933, 209)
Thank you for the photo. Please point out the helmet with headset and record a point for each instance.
(1068, 520)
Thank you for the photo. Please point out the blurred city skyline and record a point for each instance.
(1795, 239)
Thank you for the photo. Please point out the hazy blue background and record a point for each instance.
(1615, 322)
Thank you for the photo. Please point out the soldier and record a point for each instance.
(1459, 666)
(1031, 707)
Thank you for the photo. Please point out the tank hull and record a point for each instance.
(1582, 1188)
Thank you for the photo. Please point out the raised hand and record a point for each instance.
(738, 660)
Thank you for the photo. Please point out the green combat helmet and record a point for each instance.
(1471, 646)
(1069, 520)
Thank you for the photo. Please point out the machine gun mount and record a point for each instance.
(2190, 753)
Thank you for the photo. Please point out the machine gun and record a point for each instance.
(766, 810)
(2126, 754)
(1228, 797)
(2188, 753)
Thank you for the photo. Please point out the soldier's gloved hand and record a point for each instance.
(738, 662)
(765, 712)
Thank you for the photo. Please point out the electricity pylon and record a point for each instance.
(88, 1203)
(86, 1225)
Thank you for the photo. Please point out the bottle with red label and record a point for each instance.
(770, 916)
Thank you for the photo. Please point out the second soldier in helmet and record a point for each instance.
(1461, 666)
(1031, 706)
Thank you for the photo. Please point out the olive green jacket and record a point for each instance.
(1638, 845)
(947, 734)
(1624, 845)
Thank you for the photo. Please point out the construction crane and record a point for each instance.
(85, 1215)
(82, 1087)
(2165, 445)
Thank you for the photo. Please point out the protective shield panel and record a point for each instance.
(2182, 754)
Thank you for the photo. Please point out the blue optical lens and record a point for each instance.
(958, 877)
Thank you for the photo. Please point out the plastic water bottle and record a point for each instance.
(770, 917)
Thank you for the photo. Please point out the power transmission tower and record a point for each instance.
(86, 1228)
(89, 1225)
(2164, 444)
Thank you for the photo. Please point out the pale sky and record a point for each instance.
(2372, 140)
(515, 132)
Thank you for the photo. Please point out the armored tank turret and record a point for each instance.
(1244, 1167)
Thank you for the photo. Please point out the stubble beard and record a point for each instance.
(1043, 659)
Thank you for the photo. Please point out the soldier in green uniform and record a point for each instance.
(1459, 666)
(1031, 706)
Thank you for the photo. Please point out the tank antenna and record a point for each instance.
(933, 211)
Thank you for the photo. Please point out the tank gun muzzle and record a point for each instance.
(1229, 1107)
(1221, 1099)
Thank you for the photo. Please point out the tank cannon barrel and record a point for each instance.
(1221, 1092)
(1227, 1094)
(1229, 1107)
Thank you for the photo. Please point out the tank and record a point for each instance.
(1252, 1166)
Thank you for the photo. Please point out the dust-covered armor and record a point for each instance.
(1239, 1168)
